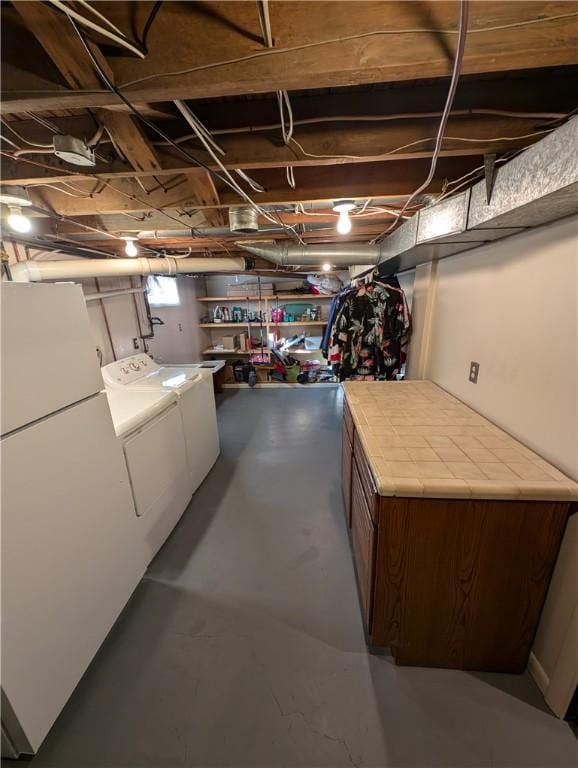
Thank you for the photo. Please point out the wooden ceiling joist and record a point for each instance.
(390, 180)
(331, 144)
(131, 141)
(62, 44)
(218, 54)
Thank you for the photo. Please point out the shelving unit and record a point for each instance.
(274, 297)
(266, 303)
(256, 323)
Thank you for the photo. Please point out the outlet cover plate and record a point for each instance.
(474, 371)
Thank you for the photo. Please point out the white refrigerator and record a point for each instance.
(70, 551)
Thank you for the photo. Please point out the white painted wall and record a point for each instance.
(180, 340)
(512, 306)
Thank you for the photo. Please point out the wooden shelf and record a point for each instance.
(276, 297)
(266, 324)
(236, 352)
(242, 325)
(300, 322)
(240, 299)
(302, 352)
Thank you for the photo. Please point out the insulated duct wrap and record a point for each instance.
(76, 269)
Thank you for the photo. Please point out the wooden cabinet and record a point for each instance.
(363, 539)
(455, 583)
(346, 461)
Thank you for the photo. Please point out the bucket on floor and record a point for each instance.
(292, 372)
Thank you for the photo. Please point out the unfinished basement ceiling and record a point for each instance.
(366, 86)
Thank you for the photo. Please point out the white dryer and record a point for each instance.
(193, 387)
(150, 428)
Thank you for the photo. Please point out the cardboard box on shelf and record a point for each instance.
(242, 290)
(230, 342)
(243, 342)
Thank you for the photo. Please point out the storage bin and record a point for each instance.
(313, 342)
(292, 371)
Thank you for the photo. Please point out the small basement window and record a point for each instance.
(162, 291)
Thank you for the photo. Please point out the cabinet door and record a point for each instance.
(346, 459)
(363, 537)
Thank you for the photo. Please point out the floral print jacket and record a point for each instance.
(370, 333)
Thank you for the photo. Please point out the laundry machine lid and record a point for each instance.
(141, 372)
(131, 408)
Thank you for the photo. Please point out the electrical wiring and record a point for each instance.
(63, 191)
(460, 48)
(148, 24)
(33, 152)
(185, 112)
(99, 15)
(283, 98)
(255, 186)
(206, 133)
(464, 180)
(226, 178)
(477, 140)
(112, 33)
(53, 215)
(103, 182)
(363, 213)
(387, 118)
(346, 38)
(44, 122)
(303, 46)
(12, 143)
(290, 176)
(21, 138)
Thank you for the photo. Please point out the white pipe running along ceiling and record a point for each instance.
(76, 269)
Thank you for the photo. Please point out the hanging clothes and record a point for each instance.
(370, 332)
(334, 307)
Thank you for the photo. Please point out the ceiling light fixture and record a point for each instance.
(326, 267)
(130, 248)
(17, 220)
(343, 207)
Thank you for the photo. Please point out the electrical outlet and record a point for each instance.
(135, 343)
(474, 371)
(180, 327)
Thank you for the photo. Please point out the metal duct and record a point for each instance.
(538, 186)
(76, 269)
(287, 255)
(244, 220)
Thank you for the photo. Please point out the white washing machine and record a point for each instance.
(193, 387)
(150, 427)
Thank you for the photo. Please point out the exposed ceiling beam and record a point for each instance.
(388, 48)
(325, 144)
(62, 44)
(131, 141)
(58, 38)
(205, 195)
(389, 180)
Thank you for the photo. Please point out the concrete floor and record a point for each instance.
(244, 645)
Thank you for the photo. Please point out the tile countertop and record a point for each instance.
(422, 441)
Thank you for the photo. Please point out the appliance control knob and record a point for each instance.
(134, 366)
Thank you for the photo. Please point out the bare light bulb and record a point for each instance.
(17, 221)
(130, 248)
(344, 223)
(326, 267)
